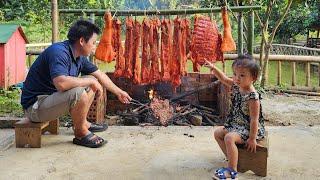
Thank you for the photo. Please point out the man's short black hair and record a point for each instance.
(82, 28)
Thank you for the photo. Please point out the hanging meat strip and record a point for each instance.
(196, 67)
(154, 50)
(228, 43)
(183, 47)
(189, 36)
(176, 55)
(166, 46)
(145, 62)
(136, 58)
(128, 53)
(117, 44)
(114, 41)
(104, 51)
(205, 41)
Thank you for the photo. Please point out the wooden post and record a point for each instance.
(279, 74)
(308, 74)
(55, 21)
(293, 70)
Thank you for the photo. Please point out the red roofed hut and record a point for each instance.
(12, 55)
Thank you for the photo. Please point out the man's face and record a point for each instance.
(88, 47)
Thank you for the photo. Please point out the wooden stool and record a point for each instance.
(256, 162)
(28, 134)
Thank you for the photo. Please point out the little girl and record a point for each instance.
(244, 123)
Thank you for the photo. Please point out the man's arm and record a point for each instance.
(107, 83)
(64, 83)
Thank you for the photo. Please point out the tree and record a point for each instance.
(268, 35)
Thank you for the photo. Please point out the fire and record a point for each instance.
(151, 94)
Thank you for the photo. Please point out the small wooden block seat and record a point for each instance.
(256, 162)
(28, 134)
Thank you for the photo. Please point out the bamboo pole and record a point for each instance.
(100, 12)
(299, 92)
(91, 58)
(29, 61)
(250, 32)
(240, 33)
(224, 67)
(307, 70)
(279, 73)
(55, 20)
(293, 75)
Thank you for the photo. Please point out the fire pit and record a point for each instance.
(195, 102)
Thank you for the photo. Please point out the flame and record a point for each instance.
(151, 93)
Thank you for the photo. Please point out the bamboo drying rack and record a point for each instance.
(100, 12)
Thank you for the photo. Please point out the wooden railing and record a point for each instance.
(286, 49)
(307, 60)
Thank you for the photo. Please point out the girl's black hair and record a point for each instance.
(82, 28)
(247, 61)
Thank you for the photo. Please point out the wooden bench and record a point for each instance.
(28, 134)
(256, 162)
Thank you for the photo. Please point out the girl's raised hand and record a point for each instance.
(208, 64)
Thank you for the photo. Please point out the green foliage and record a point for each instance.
(9, 103)
(302, 14)
(299, 20)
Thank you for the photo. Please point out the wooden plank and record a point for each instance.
(28, 137)
(191, 82)
(293, 75)
(223, 101)
(279, 73)
(26, 123)
(53, 127)
(208, 94)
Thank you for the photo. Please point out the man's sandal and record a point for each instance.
(98, 127)
(220, 174)
(90, 141)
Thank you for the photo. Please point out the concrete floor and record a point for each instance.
(158, 153)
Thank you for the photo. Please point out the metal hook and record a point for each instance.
(114, 13)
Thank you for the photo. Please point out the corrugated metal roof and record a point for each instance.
(7, 30)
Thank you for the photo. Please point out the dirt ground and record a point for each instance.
(287, 109)
(158, 153)
(174, 152)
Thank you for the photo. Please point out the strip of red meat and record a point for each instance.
(145, 62)
(136, 58)
(154, 49)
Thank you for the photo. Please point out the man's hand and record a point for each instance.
(123, 97)
(251, 145)
(96, 88)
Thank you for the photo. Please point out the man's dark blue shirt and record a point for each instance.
(56, 60)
